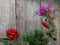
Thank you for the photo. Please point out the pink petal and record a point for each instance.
(52, 15)
(49, 6)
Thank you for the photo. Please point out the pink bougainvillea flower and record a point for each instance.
(42, 11)
(49, 6)
(52, 15)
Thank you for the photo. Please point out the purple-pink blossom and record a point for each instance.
(49, 6)
(52, 15)
(42, 11)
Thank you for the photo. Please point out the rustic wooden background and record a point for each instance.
(21, 15)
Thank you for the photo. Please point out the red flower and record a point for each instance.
(11, 37)
(45, 24)
(12, 33)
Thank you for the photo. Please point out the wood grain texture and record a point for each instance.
(7, 16)
(22, 15)
(26, 11)
(7, 12)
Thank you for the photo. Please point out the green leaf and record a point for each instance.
(46, 20)
(54, 10)
(51, 31)
(34, 36)
(51, 19)
(24, 37)
(3, 39)
(50, 34)
(54, 38)
(5, 42)
(19, 44)
(39, 33)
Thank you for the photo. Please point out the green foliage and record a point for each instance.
(49, 19)
(35, 38)
(19, 43)
(50, 34)
(4, 39)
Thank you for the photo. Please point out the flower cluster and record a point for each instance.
(46, 11)
(12, 34)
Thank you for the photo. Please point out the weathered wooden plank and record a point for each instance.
(26, 19)
(7, 15)
(26, 12)
(12, 16)
(20, 12)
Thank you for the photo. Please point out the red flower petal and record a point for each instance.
(11, 37)
(12, 33)
(45, 24)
